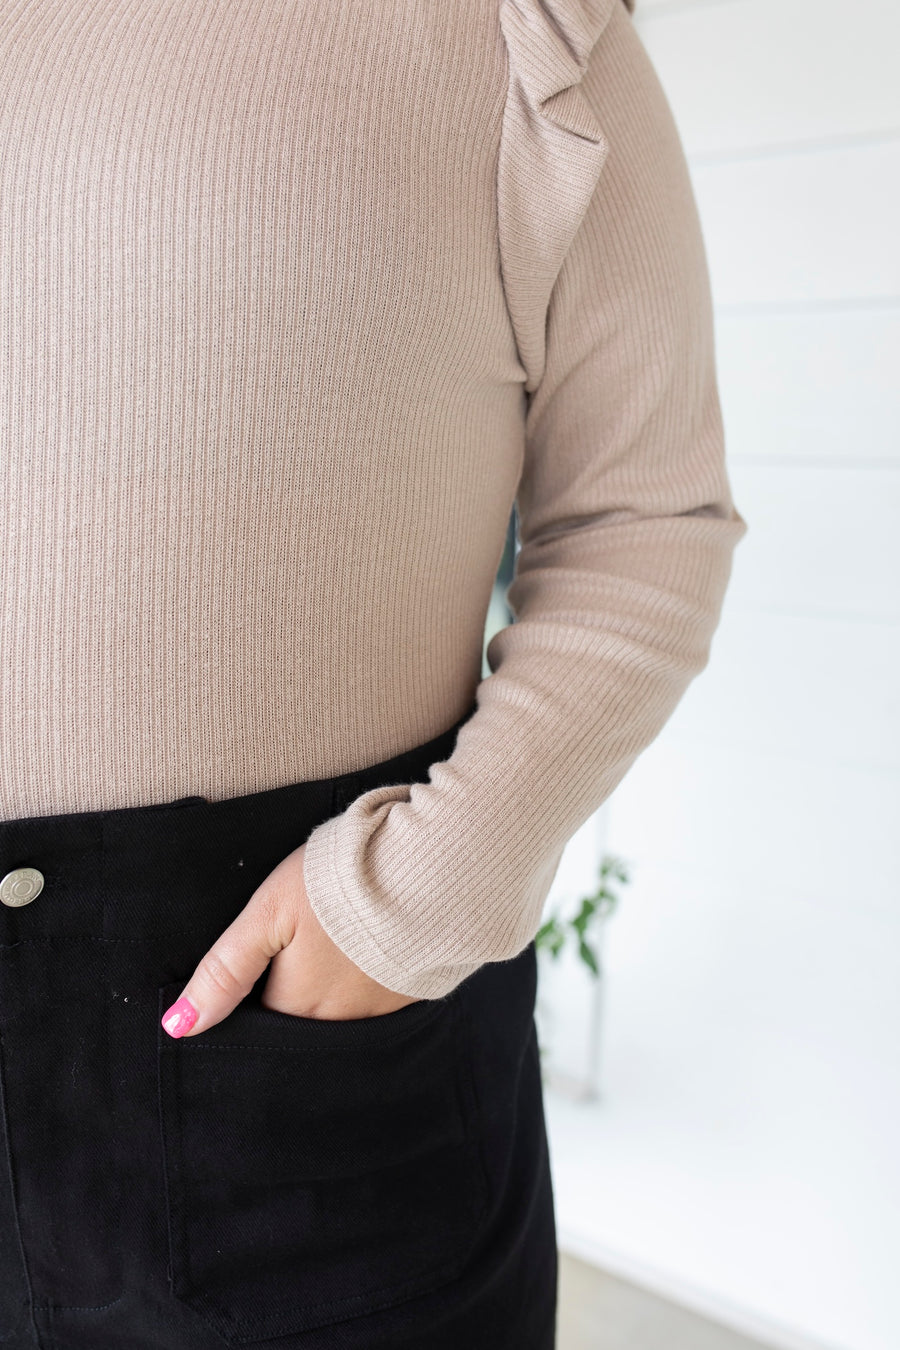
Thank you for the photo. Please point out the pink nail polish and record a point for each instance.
(179, 1018)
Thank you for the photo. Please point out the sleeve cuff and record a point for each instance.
(332, 852)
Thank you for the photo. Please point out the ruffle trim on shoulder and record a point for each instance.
(552, 150)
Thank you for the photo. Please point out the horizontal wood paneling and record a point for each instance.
(816, 832)
(813, 226)
(756, 73)
(821, 540)
(805, 388)
(742, 1154)
(823, 690)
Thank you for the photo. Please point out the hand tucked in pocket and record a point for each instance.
(309, 976)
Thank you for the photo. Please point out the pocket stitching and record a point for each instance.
(378, 1029)
(260, 1326)
(179, 1270)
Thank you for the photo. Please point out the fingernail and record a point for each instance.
(179, 1018)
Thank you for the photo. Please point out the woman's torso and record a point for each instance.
(261, 411)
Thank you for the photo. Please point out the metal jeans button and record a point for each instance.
(21, 886)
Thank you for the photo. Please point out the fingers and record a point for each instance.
(313, 978)
(228, 971)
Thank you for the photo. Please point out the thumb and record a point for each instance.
(227, 972)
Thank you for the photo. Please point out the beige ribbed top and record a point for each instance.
(296, 297)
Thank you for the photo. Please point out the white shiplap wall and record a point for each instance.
(744, 1158)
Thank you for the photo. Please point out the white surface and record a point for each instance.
(743, 1155)
(710, 57)
(811, 388)
(742, 1158)
(812, 225)
(824, 546)
(601, 1311)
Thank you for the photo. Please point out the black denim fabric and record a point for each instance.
(380, 1183)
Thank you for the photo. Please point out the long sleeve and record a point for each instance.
(627, 523)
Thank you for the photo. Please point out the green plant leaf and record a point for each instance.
(589, 959)
(552, 935)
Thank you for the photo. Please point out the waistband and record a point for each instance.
(141, 872)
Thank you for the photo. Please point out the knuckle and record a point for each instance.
(217, 975)
(269, 912)
(275, 918)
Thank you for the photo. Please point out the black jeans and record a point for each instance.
(380, 1183)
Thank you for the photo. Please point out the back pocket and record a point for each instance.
(317, 1170)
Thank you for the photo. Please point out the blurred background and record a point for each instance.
(724, 1101)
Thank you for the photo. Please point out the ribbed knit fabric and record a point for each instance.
(295, 299)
